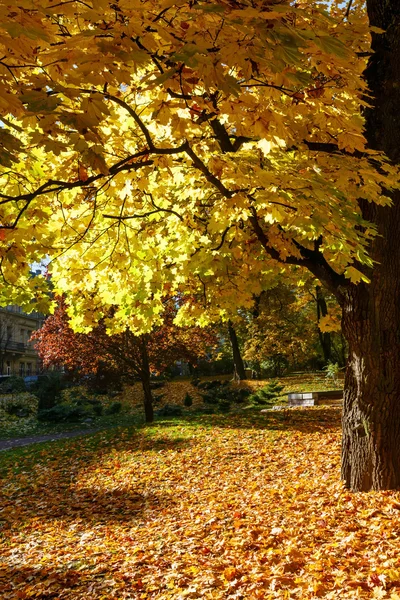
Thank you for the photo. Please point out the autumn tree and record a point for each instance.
(197, 147)
(291, 326)
(283, 330)
(124, 354)
(240, 371)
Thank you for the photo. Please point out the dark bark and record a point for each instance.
(148, 401)
(371, 415)
(237, 357)
(145, 379)
(324, 336)
(371, 313)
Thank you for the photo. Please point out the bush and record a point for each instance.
(114, 408)
(195, 381)
(210, 398)
(98, 409)
(224, 406)
(169, 410)
(210, 385)
(225, 393)
(267, 394)
(222, 366)
(18, 410)
(17, 406)
(188, 400)
(332, 372)
(103, 381)
(157, 385)
(274, 366)
(12, 385)
(157, 398)
(205, 410)
(75, 404)
(48, 389)
(62, 413)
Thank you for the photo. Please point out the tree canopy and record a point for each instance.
(87, 353)
(194, 146)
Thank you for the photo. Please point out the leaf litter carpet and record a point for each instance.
(243, 506)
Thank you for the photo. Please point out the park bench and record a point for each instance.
(331, 398)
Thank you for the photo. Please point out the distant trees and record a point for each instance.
(290, 327)
(123, 354)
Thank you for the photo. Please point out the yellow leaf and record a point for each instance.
(355, 275)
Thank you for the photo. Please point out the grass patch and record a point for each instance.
(174, 392)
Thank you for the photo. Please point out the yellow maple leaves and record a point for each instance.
(168, 133)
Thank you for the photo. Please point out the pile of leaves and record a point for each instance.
(250, 508)
(168, 392)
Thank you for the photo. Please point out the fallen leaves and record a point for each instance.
(217, 507)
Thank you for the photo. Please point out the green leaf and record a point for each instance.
(331, 45)
(40, 102)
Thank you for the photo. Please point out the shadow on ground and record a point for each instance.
(72, 582)
(307, 420)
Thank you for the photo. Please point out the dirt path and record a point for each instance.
(35, 439)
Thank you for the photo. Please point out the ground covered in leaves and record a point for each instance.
(209, 506)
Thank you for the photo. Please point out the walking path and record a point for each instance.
(35, 439)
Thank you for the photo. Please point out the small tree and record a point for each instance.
(124, 354)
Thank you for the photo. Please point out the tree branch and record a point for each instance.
(222, 239)
(198, 163)
(313, 260)
(331, 148)
(54, 186)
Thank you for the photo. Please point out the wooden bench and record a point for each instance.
(330, 398)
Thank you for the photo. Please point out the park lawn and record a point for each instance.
(174, 391)
(132, 404)
(244, 506)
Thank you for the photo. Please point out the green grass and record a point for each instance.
(34, 427)
(133, 417)
(163, 432)
(25, 458)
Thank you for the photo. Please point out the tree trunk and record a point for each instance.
(148, 401)
(324, 336)
(237, 357)
(145, 379)
(371, 415)
(371, 313)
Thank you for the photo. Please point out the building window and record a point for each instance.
(8, 368)
(9, 332)
(22, 335)
(22, 369)
(29, 369)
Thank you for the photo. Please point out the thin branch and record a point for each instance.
(348, 9)
(167, 210)
(198, 163)
(331, 148)
(54, 186)
(222, 239)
